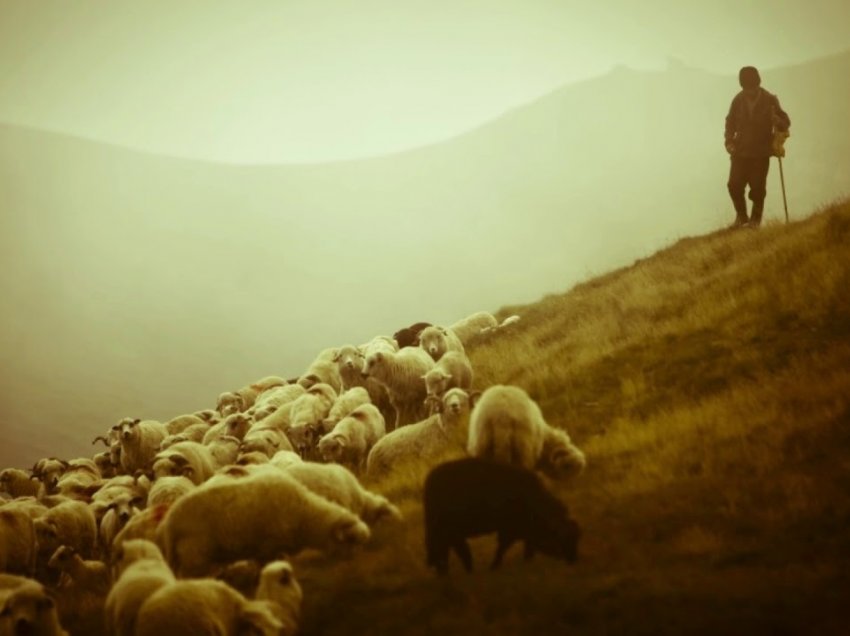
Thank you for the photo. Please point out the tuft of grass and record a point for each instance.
(709, 386)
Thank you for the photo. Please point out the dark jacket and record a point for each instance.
(750, 130)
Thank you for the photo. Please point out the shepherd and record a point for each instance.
(755, 119)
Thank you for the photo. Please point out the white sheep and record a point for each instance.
(193, 433)
(17, 540)
(224, 450)
(140, 441)
(70, 523)
(344, 404)
(90, 574)
(560, 458)
(123, 488)
(140, 526)
(197, 536)
(453, 369)
(204, 606)
(338, 484)
(190, 459)
(182, 422)
(467, 328)
(120, 510)
(48, 471)
(140, 571)
(440, 436)
(167, 490)
(350, 360)
(506, 425)
(322, 370)
(279, 586)
(401, 374)
(264, 439)
(235, 425)
(18, 483)
(242, 399)
(306, 416)
(353, 437)
(27, 608)
(79, 475)
(279, 395)
(436, 341)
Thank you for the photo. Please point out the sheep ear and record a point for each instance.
(443, 331)
(473, 398)
(345, 531)
(337, 355)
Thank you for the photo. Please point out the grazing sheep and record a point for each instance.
(82, 590)
(401, 374)
(281, 589)
(197, 536)
(471, 497)
(224, 450)
(278, 396)
(70, 523)
(18, 483)
(48, 471)
(338, 484)
(204, 606)
(167, 490)
(140, 571)
(436, 341)
(17, 541)
(241, 400)
(210, 416)
(440, 436)
(467, 328)
(409, 336)
(506, 425)
(452, 370)
(27, 608)
(189, 459)
(140, 441)
(353, 437)
(560, 458)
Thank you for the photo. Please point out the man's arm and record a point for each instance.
(731, 121)
(781, 121)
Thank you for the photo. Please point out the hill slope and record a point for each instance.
(163, 282)
(709, 386)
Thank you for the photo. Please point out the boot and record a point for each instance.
(755, 218)
(740, 212)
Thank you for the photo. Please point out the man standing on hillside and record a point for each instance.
(753, 118)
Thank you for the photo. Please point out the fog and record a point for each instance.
(135, 283)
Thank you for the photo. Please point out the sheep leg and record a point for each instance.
(462, 549)
(505, 542)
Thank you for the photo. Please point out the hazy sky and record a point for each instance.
(315, 80)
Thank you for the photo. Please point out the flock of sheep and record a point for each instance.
(183, 527)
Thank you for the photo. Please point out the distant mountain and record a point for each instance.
(137, 284)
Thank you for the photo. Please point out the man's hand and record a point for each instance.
(730, 147)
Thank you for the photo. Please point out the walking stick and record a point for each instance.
(784, 198)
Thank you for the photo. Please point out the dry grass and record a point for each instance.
(709, 386)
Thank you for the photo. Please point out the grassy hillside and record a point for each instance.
(709, 386)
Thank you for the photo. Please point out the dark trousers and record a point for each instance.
(748, 171)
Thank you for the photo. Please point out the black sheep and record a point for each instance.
(472, 497)
(409, 336)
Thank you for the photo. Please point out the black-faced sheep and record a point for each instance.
(440, 436)
(27, 608)
(267, 513)
(353, 437)
(401, 374)
(204, 606)
(140, 441)
(452, 370)
(436, 341)
(471, 497)
(140, 570)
